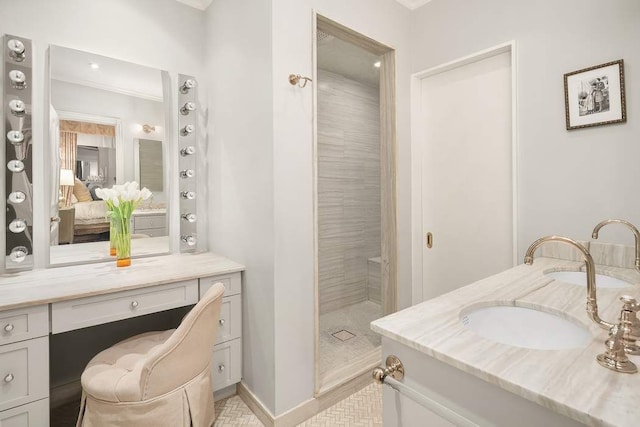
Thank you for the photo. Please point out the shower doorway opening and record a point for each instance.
(355, 200)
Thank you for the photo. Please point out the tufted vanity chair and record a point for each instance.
(157, 378)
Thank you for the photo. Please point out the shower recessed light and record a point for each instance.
(376, 64)
(93, 65)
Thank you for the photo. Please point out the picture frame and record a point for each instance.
(595, 96)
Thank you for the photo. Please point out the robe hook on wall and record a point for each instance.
(296, 79)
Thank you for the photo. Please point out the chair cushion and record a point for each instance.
(113, 375)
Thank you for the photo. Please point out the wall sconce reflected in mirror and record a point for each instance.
(187, 108)
(190, 217)
(15, 166)
(187, 85)
(187, 173)
(17, 197)
(16, 50)
(189, 239)
(188, 151)
(148, 128)
(17, 226)
(17, 107)
(18, 254)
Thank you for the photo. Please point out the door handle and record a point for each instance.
(429, 240)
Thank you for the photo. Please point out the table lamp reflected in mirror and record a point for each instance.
(66, 181)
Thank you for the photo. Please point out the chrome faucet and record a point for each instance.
(592, 305)
(633, 229)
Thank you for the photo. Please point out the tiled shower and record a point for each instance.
(349, 216)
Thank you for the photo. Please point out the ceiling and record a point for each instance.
(204, 4)
(348, 60)
(74, 66)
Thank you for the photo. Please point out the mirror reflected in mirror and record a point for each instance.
(107, 121)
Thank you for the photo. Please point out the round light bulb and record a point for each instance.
(16, 50)
(189, 195)
(17, 107)
(18, 79)
(15, 137)
(187, 151)
(17, 197)
(18, 254)
(189, 240)
(17, 226)
(190, 217)
(15, 166)
(187, 173)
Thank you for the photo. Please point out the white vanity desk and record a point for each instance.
(37, 303)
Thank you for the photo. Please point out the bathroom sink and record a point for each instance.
(525, 327)
(580, 278)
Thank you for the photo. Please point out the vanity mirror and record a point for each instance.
(107, 121)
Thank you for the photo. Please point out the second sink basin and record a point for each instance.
(580, 278)
(525, 327)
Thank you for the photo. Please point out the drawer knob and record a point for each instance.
(9, 377)
(221, 321)
(8, 327)
(220, 368)
(134, 304)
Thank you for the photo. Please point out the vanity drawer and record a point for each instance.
(230, 323)
(83, 312)
(34, 414)
(23, 324)
(24, 372)
(226, 364)
(231, 283)
(149, 221)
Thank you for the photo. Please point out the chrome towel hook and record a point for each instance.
(296, 79)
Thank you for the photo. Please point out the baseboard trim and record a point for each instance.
(257, 407)
(306, 409)
(223, 393)
(65, 393)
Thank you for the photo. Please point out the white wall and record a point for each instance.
(239, 73)
(163, 34)
(568, 181)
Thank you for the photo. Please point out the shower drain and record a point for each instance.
(343, 335)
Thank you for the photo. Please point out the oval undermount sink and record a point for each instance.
(525, 327)
(580, 278)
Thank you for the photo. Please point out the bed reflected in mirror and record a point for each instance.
(107, 121)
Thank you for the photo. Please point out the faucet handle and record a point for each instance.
(614, 357)
(629, 303)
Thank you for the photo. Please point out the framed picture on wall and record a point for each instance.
(594, 96)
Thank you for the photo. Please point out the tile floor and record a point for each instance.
(363, 408)
(335, 350)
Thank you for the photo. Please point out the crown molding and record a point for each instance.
(411, 4)
(198, 4)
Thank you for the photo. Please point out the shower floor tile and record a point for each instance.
(354, 319)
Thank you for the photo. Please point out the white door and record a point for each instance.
(467, 197)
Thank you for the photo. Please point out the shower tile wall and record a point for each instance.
(348, 188)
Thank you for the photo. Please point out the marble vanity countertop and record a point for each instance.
(49, 285)
(570, 381)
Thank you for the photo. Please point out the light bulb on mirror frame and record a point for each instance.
(187, 108)
(187, 85)
(187, 173)
(17, 226)
(17, 107)
(187, 130)
(18, 254)
(17, 79)
(15, 166)
(189, 195)
(15, 137)
(189, 217)
(17, 197)
(16, 50)
(187, 151)
(189, 239)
